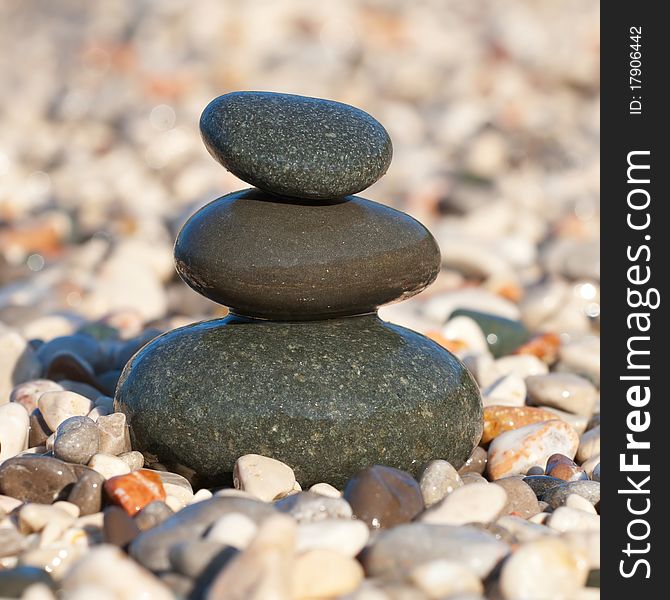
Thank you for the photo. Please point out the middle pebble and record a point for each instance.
(275, 257)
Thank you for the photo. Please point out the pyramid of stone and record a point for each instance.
(302, 370)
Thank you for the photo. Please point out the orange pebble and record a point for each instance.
(544, 346)
(134, 491)
(498, 419)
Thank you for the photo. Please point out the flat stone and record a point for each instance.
(307, 507)
(476, 503)
(87, 492)
(151, 548)
(515, 451)
(564, 391)
(327, 398)
(383, 496)
(438, 480)
(77, 440)
(557, 495)
(398, 550)
(35, 478)
(283, 259)
(502, 335)
(295, 145)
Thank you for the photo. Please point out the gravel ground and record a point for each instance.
(493, 113)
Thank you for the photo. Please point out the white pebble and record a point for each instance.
(264, 477)
(580, 503)
(475, 503)
(544, 568)
(442, 578)
(14, 429)
(589, 445)
(325, 489)
(509, 390)
(346, 537)
(234, 529)
(565, 518)
(58, 406)
(108, 465)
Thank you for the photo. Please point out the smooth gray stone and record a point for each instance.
(152, 547)
(278, 258)
(556, 496)
(77, 440)
(328, 398)
(295, 145)
(397, 550)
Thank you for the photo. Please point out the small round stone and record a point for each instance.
(383, 497)
(438, 480)
(280, 258)
(295, 145)
(77, 440)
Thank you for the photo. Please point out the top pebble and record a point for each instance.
(295, 145)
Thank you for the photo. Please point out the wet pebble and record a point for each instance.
(383, 496)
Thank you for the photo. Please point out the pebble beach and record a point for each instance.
(182, 416)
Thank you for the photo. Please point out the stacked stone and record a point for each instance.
(303, 370)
